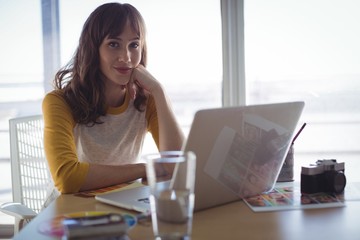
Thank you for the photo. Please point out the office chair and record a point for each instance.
(29, 171)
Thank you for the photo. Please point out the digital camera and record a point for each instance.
(325, 176)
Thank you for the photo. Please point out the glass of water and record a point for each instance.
(171, 177)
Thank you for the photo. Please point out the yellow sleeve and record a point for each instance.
(152, 120)
(60, 150)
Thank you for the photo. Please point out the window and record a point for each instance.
(308, 50)
(21, 81)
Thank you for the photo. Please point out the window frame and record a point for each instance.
(234, 85)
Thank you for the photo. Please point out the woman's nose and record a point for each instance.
(124, 55)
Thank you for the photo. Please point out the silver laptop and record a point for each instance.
(239, 152)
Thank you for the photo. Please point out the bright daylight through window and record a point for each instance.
(308, 50)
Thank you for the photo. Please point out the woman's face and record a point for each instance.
(119, 55)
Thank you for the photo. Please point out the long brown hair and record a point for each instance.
(81, 79)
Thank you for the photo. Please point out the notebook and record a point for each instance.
(239, 153)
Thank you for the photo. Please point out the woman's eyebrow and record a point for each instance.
(120, 39)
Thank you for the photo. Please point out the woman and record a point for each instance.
(104, 103)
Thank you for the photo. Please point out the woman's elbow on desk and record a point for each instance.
(69, 179)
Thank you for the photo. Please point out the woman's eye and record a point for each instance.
(113, 44)
(134, 45)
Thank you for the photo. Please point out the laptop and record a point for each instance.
(239, 153)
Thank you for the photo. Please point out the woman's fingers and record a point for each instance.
(143, 79)
(131, 86)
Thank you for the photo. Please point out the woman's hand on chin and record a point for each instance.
(141, 77)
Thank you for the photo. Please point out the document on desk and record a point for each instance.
(287, 196)
(114, 188)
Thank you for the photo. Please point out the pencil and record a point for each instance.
(298, 133)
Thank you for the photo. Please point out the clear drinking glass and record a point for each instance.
(171, 177)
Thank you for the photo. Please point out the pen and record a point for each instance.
(298, 133)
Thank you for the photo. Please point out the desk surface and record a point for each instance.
(230, 221)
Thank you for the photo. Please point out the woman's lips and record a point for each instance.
(123, 70)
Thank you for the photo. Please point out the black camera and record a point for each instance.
(325, 176)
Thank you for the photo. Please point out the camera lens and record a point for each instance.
(339, 182)
(335, 181)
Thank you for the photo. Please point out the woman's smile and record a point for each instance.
(123, 70)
